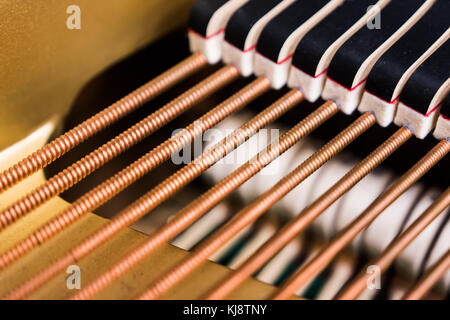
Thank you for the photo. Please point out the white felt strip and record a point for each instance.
(211, 45)
(312, 86)
(384, 111)
(243, 60)
(349, 99)
(278, 72)
(331, 51)
(346, 99)
(418, 123)
(442, 130)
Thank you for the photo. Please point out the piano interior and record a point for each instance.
(224, 149)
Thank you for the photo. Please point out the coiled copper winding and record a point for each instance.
(326, 255)
(304, 218)
(120, 181)
(161, 192)
(97, 158)
(251, 212)
(352, 290)
(111, 187)
(61, 145)
(180, 221)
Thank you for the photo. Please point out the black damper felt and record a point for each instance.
(424, 83)
(314, 45)
(349, 58)
(201, 14)
(243, 20)
(283, 25)
(389, 69)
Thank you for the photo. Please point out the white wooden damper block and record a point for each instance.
(354, 60)
(424, 93)
(391, 72)
(442, 130)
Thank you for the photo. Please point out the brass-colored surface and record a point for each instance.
(429, 279)
(43, 64)
(69, 140)
(354, 289)
(304, 218)
(108, 151)
(344, 237)
(179, 222)
(251, 212)
(133, 283)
